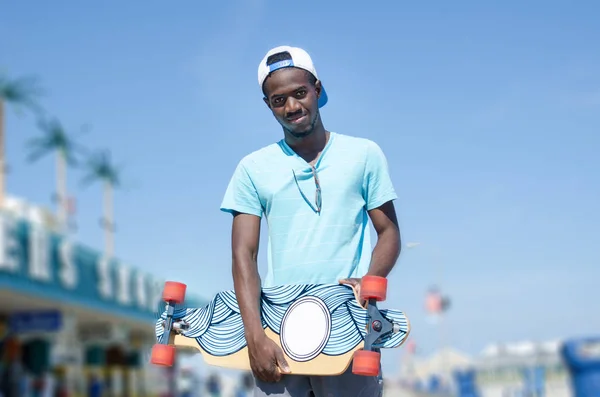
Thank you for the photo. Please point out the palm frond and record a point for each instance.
(54, 138)
(35, 155)
(88, 179)
(21, 91)
(100, 167)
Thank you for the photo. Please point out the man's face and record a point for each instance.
(293, 99)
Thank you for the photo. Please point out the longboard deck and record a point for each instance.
(318, 327)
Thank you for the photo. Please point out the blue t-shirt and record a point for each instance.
(306, 246)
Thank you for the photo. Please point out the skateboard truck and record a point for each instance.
(378, 326)
(367, 361)
(167, 324)
(176, 326)
(163, 353)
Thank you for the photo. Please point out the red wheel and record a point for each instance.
(163, 355)
(366, 363)
(373, 287)
(174, 292)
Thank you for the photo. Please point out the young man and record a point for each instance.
(317, 189)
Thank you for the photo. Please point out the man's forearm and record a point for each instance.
(246, 283)
(386, 252)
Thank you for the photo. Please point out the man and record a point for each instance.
(317, 189)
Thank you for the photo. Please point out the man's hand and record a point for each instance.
(266, 360)
(355, 283)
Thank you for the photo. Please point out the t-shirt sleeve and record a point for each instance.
(377, 187)
(241, 194)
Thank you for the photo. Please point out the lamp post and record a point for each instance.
(437, 304)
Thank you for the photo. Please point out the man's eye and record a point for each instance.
(301, 93)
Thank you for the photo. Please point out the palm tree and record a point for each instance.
(56, 139)
(100, 167)
(18, 92)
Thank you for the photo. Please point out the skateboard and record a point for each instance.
(321, 328)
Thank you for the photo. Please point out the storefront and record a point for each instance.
(71, 317)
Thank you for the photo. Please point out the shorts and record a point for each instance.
(344, 385)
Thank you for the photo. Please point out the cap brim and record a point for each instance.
(323, 98)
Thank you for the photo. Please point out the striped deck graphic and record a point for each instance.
(332, 320)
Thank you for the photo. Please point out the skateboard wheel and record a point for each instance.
(174, 292)
(163, 355)
(366, 363)
(373, 287)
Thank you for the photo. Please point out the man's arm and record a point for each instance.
(243, 202)
(246, 279)
(266, 358)
(379, 194)
(387, 249)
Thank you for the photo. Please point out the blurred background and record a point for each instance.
(122, 122)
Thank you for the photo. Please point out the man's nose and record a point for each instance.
(292, 106)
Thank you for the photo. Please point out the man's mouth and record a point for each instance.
(296, 119)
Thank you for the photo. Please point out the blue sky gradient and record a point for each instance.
(489, 116)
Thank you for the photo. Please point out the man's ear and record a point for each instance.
(267, 102)
(318, 88)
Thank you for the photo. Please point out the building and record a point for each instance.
(503, 369)
(69, 315)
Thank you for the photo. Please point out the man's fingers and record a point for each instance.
(282, 363)
(275, 375)
(354, 283)
(270, 375)
(363, 302)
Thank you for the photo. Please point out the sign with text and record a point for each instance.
(35, 321)
(42, 262)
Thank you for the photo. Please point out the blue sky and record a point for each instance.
(488, 114)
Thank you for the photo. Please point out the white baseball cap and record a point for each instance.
(300, 59)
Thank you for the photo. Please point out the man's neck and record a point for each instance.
(311, 146)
